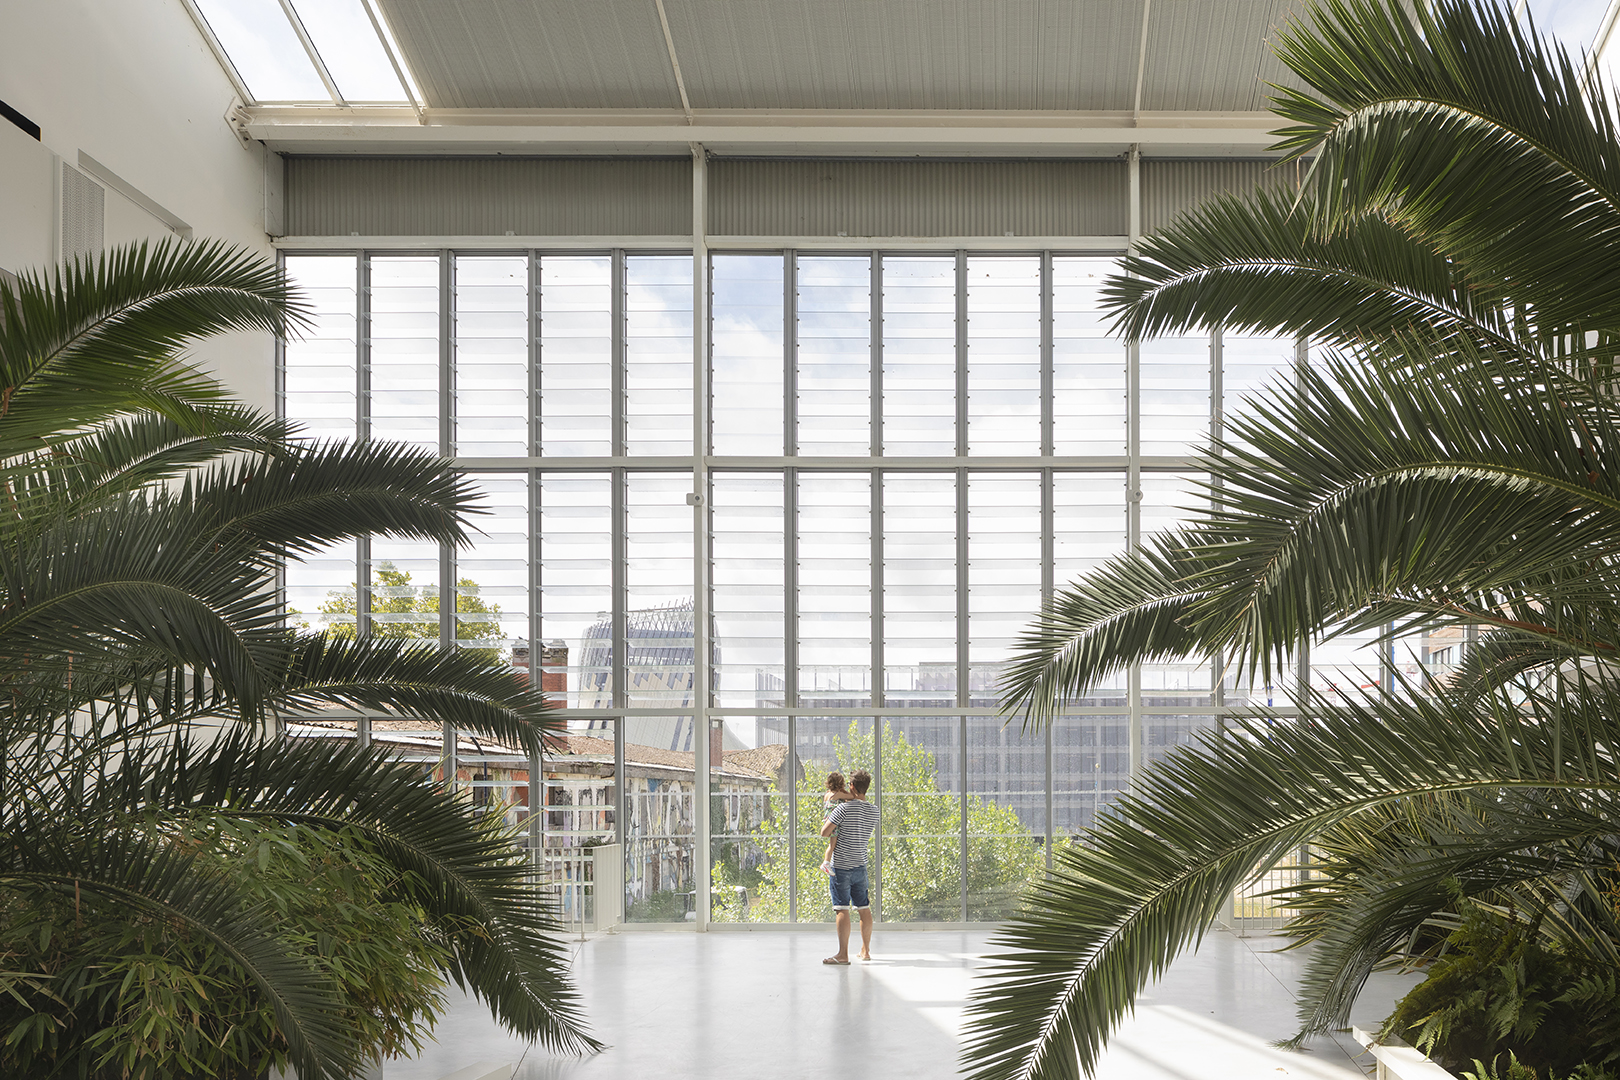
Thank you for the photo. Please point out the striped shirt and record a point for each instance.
(855, 820)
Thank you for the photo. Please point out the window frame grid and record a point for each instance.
(790, 466)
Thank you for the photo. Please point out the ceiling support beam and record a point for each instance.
(671, 131)
(674, 61)
(1141, 64)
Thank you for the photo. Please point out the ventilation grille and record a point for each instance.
(84, 209)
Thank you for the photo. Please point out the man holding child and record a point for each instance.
(851, 823)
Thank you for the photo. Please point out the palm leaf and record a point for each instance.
(1150, 877)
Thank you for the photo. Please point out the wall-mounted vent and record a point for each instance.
(84, 211)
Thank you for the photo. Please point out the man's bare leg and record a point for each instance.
(841, 919)
(866, 933)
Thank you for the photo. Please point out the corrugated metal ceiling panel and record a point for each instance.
(1170, 188)
(1204, 56)
(907, 54)
(488, 196)
(536, 54)
(841, 54)
(918, 198)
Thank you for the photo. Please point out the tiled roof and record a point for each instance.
(765, 760)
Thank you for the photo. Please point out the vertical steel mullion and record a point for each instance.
(1217, 429)
(793, 816)
(790, 557)
(1133, 458)
(875, 310)
(963, 652)
(362, 433)
(702, 627)
(878, 700)
(537, 761)
(1048, 498)
(618, 652)
(1048, 588)
(963, 669)
(961, 355)
(1048, 378)
(447, 557)
(1302, 663)
(790, 354)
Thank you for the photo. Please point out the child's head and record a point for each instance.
(835, 781)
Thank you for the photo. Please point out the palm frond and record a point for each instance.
(1455, 121)
(1259, 263)
(469, 879)
(1151, 875)
(405, 678)
(1132, 608)
(99, 337)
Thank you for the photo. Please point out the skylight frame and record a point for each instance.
(410, 92)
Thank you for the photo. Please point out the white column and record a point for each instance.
(702, 649)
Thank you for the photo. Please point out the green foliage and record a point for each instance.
(173, 905)
(1500, 989)
(1452, 464)
(402, 610)
(147, 997)
(921, 846)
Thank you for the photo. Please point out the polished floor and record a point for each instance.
(738, 1004)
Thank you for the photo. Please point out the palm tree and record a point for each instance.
(1453, 463)
(145, 515)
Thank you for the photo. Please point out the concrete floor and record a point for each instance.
(738, 1004)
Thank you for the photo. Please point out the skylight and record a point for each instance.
(308, 51)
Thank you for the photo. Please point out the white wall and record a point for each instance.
(133, 84)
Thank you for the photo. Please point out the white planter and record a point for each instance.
(1397, 1061)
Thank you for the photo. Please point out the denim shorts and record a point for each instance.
(849, 888)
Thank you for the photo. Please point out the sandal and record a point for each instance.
(835, 962)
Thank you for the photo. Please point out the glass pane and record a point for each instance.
(321, 594)
(492, 575)
(1006, 815)
(1004, 355)
(1089, 527)
(1088, 366)
(659, 883)
(405, 350)
(835, 355)
(264, 49)
(749, 611)
(576, 589)
(576, 356)
(1251, 366)
(1573, 22)
(919, 589)
(919, 356)
(1175, 395)
(658, 354)
(835, 590)
(1091, 760)
(350, 49)
(580, 817)
(1004, 573)
(492, 356)
(1345, 666)
(1162, 732)
(403, 598)
(658, 596)
(748, 816)
(922, 819)
(747, 354)
(320, 363)
(1168, 499)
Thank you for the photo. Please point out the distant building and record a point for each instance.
(659, 673)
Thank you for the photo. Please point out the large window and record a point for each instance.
(899, 458)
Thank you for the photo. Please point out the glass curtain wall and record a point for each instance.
(905, 454)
